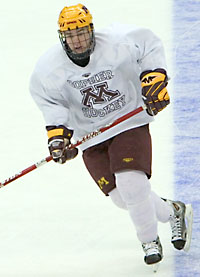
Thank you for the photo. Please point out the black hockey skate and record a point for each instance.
(153, 252)
(181, 225)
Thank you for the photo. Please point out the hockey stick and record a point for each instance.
(79, 142)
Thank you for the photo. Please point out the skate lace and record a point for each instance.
(150, 248)
(176, 226)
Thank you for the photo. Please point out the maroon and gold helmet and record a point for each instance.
(76, 17)
(73, 17)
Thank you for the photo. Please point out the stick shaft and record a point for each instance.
(25, 171)
(79, 142)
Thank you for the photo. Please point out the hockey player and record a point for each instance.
(88, 81)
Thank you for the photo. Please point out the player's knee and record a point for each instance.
(133, 186)
(117, 200)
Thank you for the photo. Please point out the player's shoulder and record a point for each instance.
(50, 60)
(119, 32)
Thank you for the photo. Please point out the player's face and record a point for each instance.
(78, 39)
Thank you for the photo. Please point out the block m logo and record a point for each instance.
(98, 94)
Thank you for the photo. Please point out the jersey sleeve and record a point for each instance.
(144, 44)
(54, 111)
(150, 50)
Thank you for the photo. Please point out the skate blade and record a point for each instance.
(155, 267)
(189, 219)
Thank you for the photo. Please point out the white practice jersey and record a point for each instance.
(87, 98)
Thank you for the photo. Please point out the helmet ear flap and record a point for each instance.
(91, 27)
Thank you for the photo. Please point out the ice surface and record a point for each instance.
(54, 221)
(186, 104)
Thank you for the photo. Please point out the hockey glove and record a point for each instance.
(59, 139)
(154, 91)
